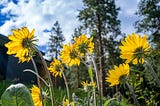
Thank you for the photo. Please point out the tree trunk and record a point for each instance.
(100, 55)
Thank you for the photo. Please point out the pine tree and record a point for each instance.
(149, 23)
(55, 41)
(77, 32)
(99, 17)
(55, 45)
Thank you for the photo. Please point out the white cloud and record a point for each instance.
(4, 2)
(41, 15)
(127, 14)
(6, 29)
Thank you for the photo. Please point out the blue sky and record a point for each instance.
(42, 14)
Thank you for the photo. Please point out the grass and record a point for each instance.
(60, 93)
(3, 85)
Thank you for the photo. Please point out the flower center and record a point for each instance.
(58, 68)
(83, 47)
(73, 54)
(139, 53)
(26, 43)
(122, 79)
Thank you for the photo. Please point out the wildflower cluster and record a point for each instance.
(88, 86)
(134, 50)
(72, 53)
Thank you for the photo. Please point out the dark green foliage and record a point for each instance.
(3, 85)
(115, 102)
(77, 32)
(144, 85)
(149, 11)
(105, 10)
(60, 94)
(149, 23)
(113, 52)
(76, 75)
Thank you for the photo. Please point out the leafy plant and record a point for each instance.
(17, 95)
(115, 102)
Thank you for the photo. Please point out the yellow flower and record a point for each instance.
(87, 86)
(66, 103)
(84, 44)
(21, 44)
(84, 83)
(56, 68)
(72, 104)
(117, 73)
(134, 49)
(70, 55)
(92, 84)
(35, 92)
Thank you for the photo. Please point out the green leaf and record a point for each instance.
(108, 101)
(17, 95)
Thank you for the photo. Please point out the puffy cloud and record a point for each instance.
(41, 15)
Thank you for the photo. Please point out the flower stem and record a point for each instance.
(136, 103)
(66, 83)
(152, 72)
(28, 70)
(96, 71)
(98, 79)
(93, 88)
(95, 67)
(88, 97)
(94, 93)
(49, 77)
(38, 80)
